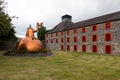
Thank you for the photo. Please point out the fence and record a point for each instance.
(7, 45)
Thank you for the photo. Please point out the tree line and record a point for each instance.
(7, 32)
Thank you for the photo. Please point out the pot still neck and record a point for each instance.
(30, 31)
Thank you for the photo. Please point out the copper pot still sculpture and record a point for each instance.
(30, 43)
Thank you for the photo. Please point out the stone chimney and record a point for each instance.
(67, 18)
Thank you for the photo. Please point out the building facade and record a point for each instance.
(97, 35)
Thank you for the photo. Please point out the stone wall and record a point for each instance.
(116, 37)
(115, 42)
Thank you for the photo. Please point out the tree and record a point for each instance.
(7, 32)
(41, 33)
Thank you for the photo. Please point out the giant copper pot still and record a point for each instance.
(30, 43)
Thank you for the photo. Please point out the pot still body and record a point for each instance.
(30, 43)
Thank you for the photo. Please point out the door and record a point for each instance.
(68, 48)
(94, 48)
(108, 49)
(84, 48)
(75, 47)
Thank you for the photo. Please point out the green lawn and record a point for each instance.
(61, 66)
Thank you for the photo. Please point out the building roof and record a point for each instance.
(61, 26)
(101, 19)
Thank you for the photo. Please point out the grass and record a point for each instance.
(61, 66)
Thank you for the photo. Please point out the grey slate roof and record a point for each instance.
(101, 19)
(61, 26)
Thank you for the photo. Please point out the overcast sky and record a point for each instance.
(50, 11)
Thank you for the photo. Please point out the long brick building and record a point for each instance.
(96, 35)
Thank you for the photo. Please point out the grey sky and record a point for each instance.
(50, 11)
